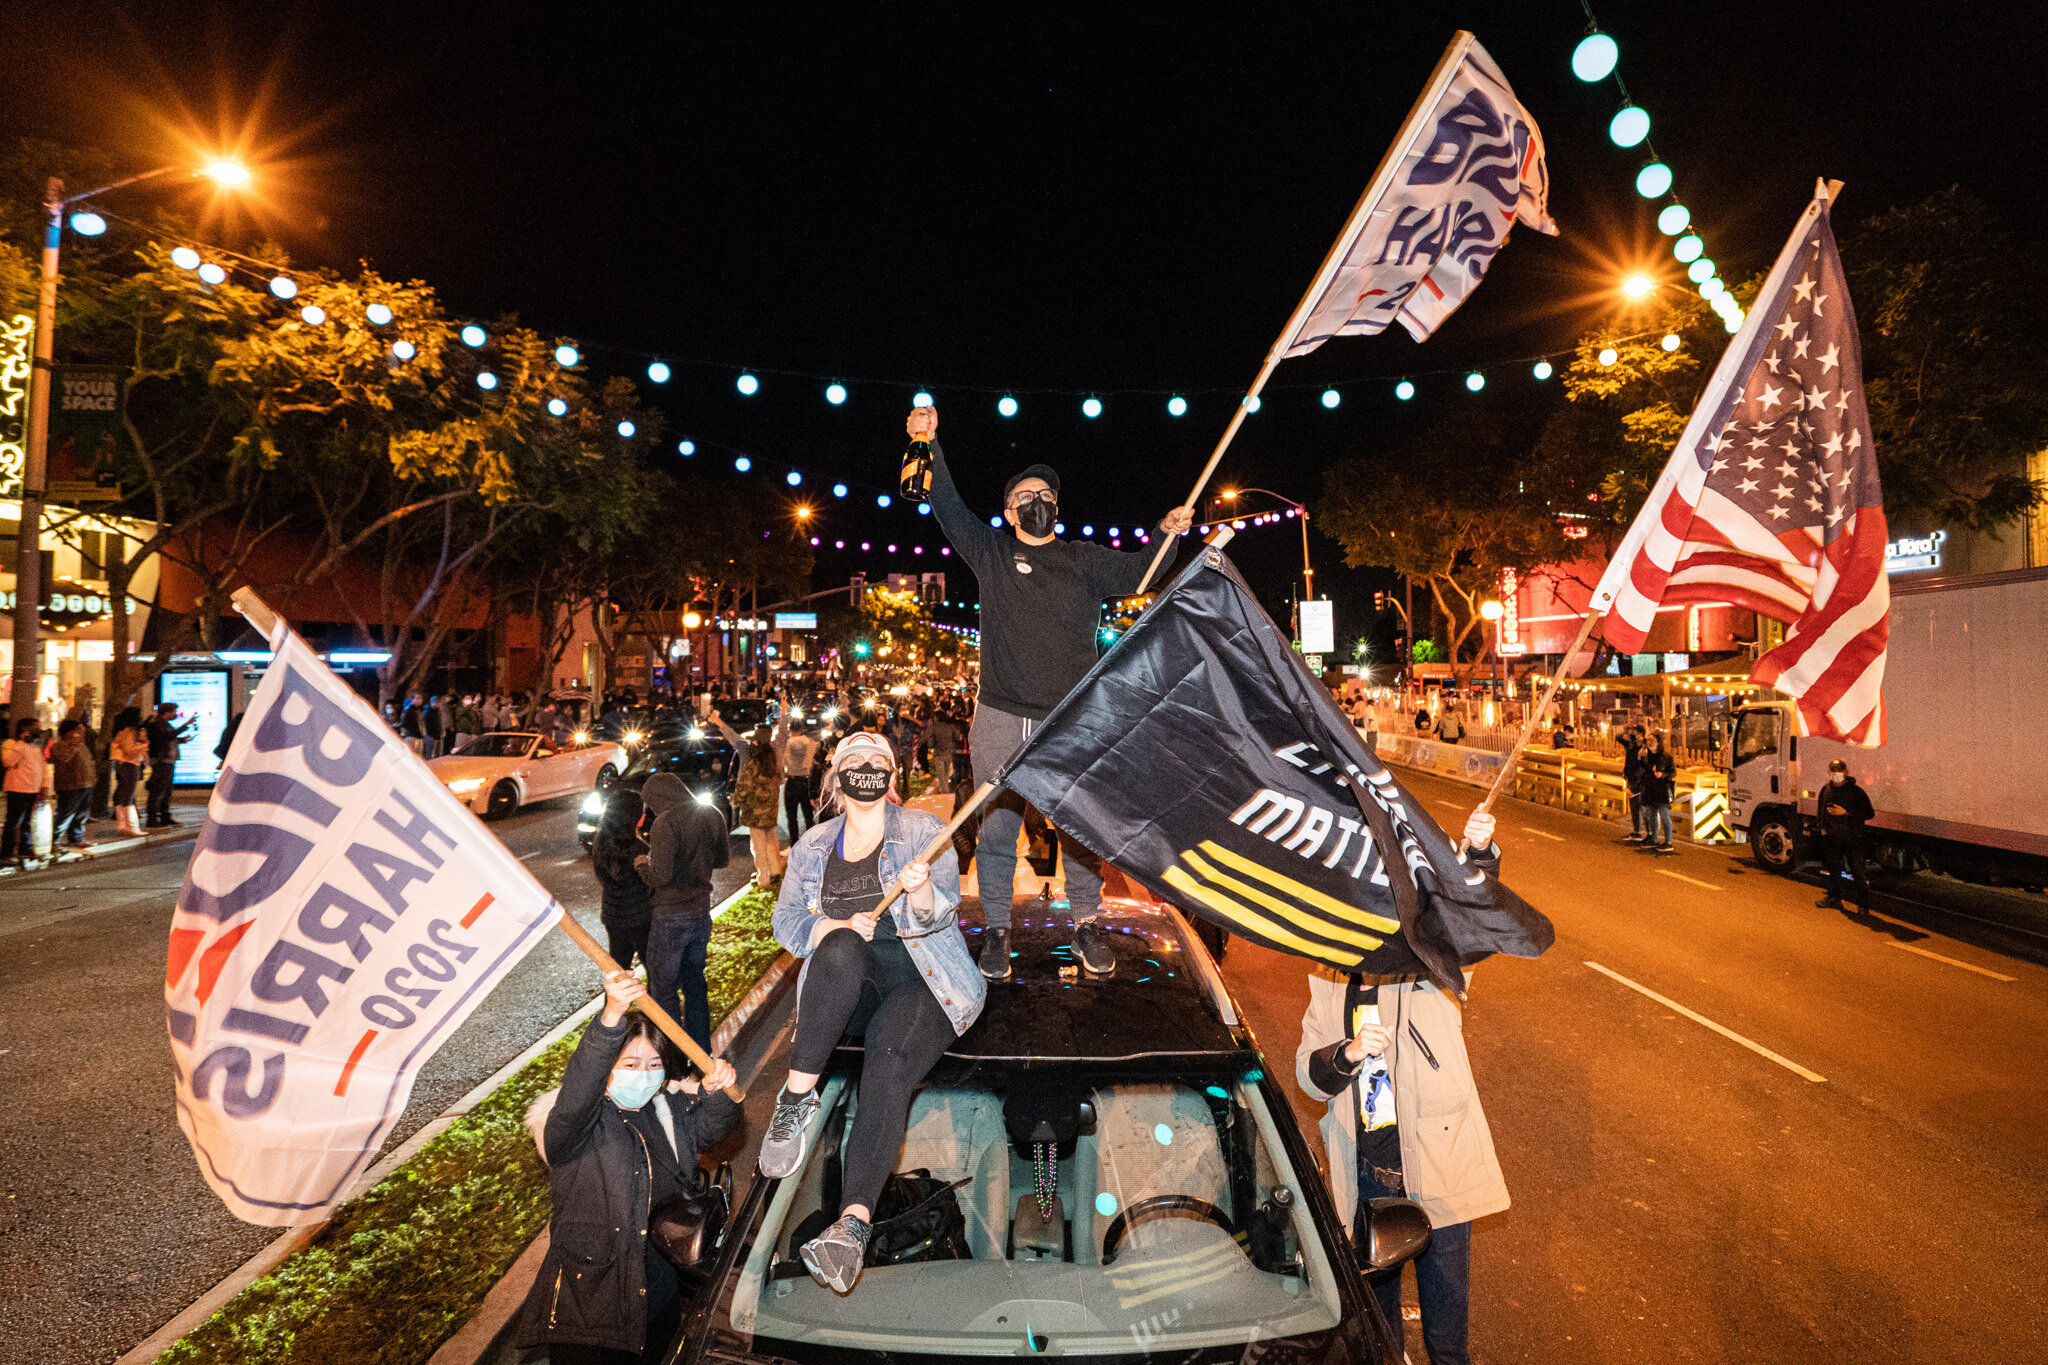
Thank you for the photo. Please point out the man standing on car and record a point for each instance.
(686, 844)
(1387, 1054)
(1041, 600)
(1844, 810)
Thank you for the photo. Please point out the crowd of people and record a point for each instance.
(61, 766)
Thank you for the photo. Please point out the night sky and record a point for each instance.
(1126, 200)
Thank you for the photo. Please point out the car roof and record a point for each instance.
(1163, 1000)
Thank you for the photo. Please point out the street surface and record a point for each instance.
(1680, 1195)
(106, 1229)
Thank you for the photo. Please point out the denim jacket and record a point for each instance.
(936, 946)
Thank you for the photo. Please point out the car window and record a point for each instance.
(1756, 735)
(496, 746)
(1185, 1183)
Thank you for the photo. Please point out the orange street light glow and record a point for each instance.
(228, 173)
(1636, 286)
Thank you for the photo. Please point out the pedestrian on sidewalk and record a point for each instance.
(626, 909)
(1660, 785)
(620, 1142)
(1450, 726)
(1387, 1055)
(127, 751)
(758, 791)
(73, 769)
(687, 842)
(23, 759)
(1844, 810)
(165, 735)
(1632, 752)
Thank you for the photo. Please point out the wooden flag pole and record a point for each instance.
(670, 1029)
(264, 619)
(1375, 189)
(941, 840)
(1536, 710)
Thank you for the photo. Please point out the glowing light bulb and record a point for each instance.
(566, 356)
(882, 499)
(1635, 286)
(1331, 398)
(1176, 406)
(1475, 381)
(1608, 355)
(626, 429)
(742, 464)
(1670, 342)
(1688, 248)
(403, 349)
(185, 258)
(486, 380)
(1629, 127)
(1672, 220)
(378, 314)
(313, 314)
(474, 335)
(1653, 180)
(1404, 390)
(557, 408)
(793, 478)
(1087, 530)
(1091, 407)
(747, 385)
(658, 372)
(1543, 370)
(1594, 57)
(1251, 402)
(1007, 406)
(1712, 289)
(686, 447)
(227, 173)
(838, 490)
(921, 399)
(212, 273)
(88, 224)
(835, 394)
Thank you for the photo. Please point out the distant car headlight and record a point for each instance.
(832, 713)
(704, 798)
(633, 736)
(697, 732)
(463, 786)
(593, 804)
(582, 736)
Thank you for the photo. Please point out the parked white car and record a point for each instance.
(496, 774)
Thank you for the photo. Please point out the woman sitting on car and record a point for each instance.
(901, 978)
(618, 1145)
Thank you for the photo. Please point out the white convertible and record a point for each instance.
(496, 774)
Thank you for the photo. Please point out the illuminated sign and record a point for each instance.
(1508, 638)
(1318, 627)
(1909, 554)
(16, 334)
(796, 620)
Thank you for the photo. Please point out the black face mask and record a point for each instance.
(1035, 518)
(864, 784)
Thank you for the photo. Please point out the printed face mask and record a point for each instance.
(864, 783)
(1035, 518)
(631, 1089)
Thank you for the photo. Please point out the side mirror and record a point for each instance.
(1397, 1231)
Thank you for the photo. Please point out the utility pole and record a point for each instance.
(28, 557)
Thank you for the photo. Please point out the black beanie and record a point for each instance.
(1036, 471)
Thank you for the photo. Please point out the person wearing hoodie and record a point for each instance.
(626, 911)
(23, 759)
(73, 770)
(1844, 810)
(686, 844)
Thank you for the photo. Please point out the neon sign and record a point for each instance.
(16, 334)
(1909, 554)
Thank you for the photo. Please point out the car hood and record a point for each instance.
(458, 766)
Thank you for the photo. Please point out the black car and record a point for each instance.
(744, 713)
(708, 765)
(1102, 1167)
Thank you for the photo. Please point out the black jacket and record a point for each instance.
(627, 902)
(689, 841)
(607, 1171)
(1856, 810)
(1632, 751)
(1659, 778)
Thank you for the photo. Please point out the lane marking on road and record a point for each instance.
(564, 862)
(1758, 1048)
(1953, 962)
(1544, 832)
(524, 856)
(1711, 886)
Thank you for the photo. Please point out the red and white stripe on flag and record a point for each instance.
(342, 914)
(1771, 501)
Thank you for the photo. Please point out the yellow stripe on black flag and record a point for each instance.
(1256, 925)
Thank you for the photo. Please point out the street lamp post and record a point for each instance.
(1493, 611)
(28, 559)
(1308, 571)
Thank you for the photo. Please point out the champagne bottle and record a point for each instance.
(916, 484)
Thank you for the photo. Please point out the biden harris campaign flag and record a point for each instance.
(341, 916)
(1467, 166)
(1201, 757)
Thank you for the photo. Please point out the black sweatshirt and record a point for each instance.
(1040, 604)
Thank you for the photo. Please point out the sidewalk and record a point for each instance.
(188, 807)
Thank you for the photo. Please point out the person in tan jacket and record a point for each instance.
(1388, 1057)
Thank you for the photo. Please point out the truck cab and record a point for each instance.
(1762, 762)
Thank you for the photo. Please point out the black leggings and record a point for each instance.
(851, 986)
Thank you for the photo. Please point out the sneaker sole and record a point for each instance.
(818, 1276)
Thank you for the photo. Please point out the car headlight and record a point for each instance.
(593, 804)
(634, 736)
(696, 733)
(463, 786)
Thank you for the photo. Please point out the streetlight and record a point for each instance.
(1308, 572)
(28, 559)
(1492, 611)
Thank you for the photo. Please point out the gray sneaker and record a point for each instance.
(1091, 945)
(995, 954)
(782, 1151)
(835, 1255)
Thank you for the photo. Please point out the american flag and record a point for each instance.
(1771, 501)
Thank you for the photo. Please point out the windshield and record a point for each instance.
(497, 746)
(1173, 1227)
(1756, 734)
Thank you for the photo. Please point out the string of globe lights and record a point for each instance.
(1598, 58)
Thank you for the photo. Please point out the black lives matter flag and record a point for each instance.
(1201, 757)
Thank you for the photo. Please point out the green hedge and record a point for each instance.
(394, 1273)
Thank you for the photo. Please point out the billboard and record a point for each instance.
(203, 696)
(1318, 627)
(796, 620)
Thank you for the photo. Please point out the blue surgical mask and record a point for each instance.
(632, 1089)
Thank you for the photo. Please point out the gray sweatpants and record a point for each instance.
(994, 737)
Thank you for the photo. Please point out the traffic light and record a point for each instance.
(860, 648)
(1379, 601)
(857, 592)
